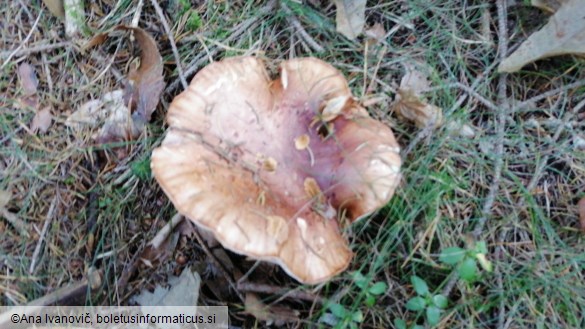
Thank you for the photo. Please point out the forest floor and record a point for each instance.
(506, 187)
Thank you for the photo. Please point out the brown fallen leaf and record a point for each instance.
(563, 34)
(581, 206)
(128, 112)
(409, 106)
(28, 78)
(29, 83)
(110, 113)
(146, 84)
(42, 120)
(376, 33)
(409, 102)
(350, 17)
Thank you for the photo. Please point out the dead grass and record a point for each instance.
(107, 207)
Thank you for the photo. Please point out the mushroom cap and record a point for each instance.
(270, 166)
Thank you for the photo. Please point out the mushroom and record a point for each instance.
(275, 168)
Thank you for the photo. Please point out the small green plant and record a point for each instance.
(466, 260)
(371, 291)
(401, 324)
(194, 21)
(432, 305)
(349, 318)
(141, 169)
(345, 317)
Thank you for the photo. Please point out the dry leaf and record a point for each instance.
(145, 84)
(55, 7)
(409, 102)
(42, 120)
(110, 113)
(28, 79)
(461, 129)
(350, 17)
(582, 214)
(184, 291)
(563, 34)
(130, 110)
(410, 107)
(376, 33)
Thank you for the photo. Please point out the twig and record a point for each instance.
(218, 265)
(276, 290)
(500, 131)
(293, 20)
(165, 24)
(35, 49)
(550, 93)
(48, 220)
(500, 119)
(32, 29)
(163, 234)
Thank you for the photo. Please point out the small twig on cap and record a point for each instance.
(165, 24)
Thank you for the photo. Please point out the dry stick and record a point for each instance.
(165, 24)
(550, 93)
(243, 27)
(164, 233)
(33, 28)
(275, 290)
(35, 49)
(500, 133)
(48, 220)
(293, 20)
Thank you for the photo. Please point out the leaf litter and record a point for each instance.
(563, 34)
(123, 113)
(29, 82)
(350, 17)
(410, 104)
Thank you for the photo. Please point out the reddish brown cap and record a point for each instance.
(270, 167)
